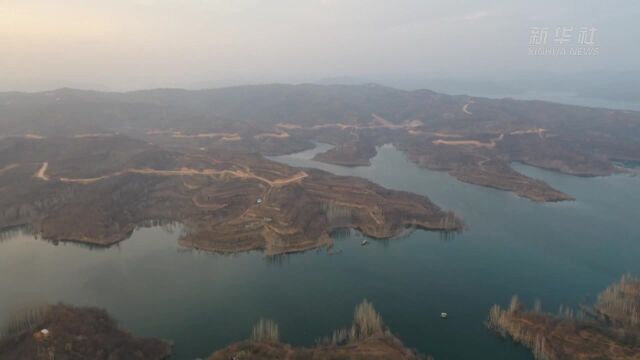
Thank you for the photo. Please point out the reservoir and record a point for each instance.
(562, 253)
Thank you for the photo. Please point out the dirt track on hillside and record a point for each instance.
(242, 174)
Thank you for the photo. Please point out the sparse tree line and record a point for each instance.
(616, 315)
(449, 221)
(11, 232)
(265, 331)
(619, 304)
(366, 323)
(506, 322)
(23, 320)
(337, 214)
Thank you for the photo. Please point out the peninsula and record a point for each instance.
(97, 190)
(610, 329)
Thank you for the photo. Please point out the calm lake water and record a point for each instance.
(560, 253)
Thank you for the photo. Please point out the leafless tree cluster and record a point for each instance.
(265, 331)
(616, 315)
(336, 214)
(504, 321)
(366, 323)
(620, 303)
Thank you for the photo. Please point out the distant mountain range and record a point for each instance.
(610, 85)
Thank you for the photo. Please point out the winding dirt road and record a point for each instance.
(220, 136)
(278, 135)
(465, 108)
(378, 122)
(8, 168)
(243, 174)
(539, 131)
(477, 143)
(42, 172)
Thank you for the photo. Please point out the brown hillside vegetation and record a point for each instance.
(98, 190)
(74, 334)
(608, 330)
(474, 139)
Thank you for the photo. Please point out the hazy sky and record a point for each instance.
(123, 44)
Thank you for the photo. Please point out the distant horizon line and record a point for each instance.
(613, 104)
(29, 85)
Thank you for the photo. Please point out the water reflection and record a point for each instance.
(12, 232)
(278, 259)
(168, 226)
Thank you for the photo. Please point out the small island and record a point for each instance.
(368, 338)
(353, 153)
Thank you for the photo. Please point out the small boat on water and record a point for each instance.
(364, 242)
(444, 315)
